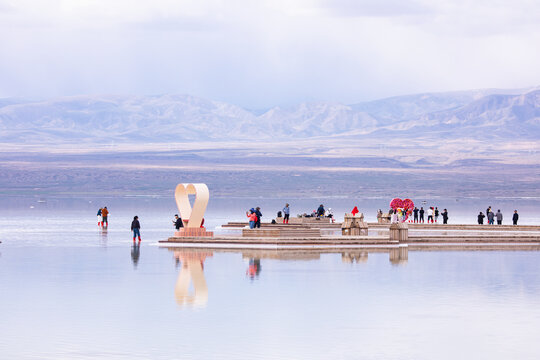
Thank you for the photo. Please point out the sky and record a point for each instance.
(259, 54)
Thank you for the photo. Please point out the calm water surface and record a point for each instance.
(69, 290)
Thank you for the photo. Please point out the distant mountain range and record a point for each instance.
(479, 114)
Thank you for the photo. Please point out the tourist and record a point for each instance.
(481, 218)
(394, 218)
(320, 211)
(286, 212)
(178, 223)
(136, 227)
(415, 212)
(515, 217)
(430, 214)
(99, 216)
(491, 218)
(421, 214)
(252, 218)
(436, 213)
(488, 210)
(104, 217)
(259, 216)
(499, 216)
(445, 216)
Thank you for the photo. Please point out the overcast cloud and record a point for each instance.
(263, 53)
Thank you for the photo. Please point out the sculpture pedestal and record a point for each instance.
(354, 225)
(193, 232)
(399, 231)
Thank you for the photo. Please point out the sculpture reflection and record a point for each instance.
(192, 270)
(399, 255)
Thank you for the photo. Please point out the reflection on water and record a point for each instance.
(254, 268)
(191, 262)
(192, 270)
(399, 256)
(135, 254)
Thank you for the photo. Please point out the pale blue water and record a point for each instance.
(70, 291)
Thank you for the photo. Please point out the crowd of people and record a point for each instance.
(433, 214)
(254, 216)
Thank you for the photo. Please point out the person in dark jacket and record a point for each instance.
(515, 217)
(136, 227)
(421, 214)
(436, 213)
(99, 216)
(415, 212)
(178, 223)
(259, 215)
(445, 216)
(320, 210)
(481, 218)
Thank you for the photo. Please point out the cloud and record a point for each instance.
(268, 52)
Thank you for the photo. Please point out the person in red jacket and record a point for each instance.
(104, 216)
(252, 218)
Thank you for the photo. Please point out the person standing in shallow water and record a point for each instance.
(136, 228)
(99, 216)
(445, 216)
(104, 217)
(421, 214)
(286, 213)
(515, 217)
(481, 217)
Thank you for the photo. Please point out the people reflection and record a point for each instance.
(104, 237)
(254, 268)
(135, 254)
(192, 271)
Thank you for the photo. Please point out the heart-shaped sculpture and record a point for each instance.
(195, 215)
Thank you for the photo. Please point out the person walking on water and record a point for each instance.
(136, 228)
(286, 213)
(99, 221)
(445, 216)
(515, 217)
(104, 217)
(481, 218)
(178, 223)
(499, 216)
(421, 214)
